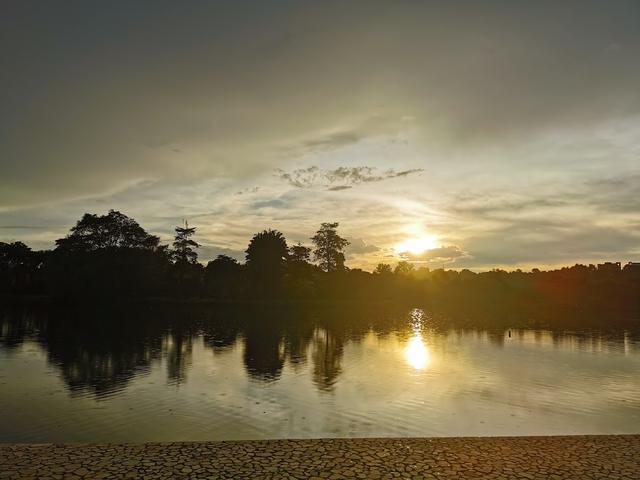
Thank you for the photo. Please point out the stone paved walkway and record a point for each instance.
(579, 457)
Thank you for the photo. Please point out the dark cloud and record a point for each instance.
(604, 195)
(441, 254)
(340, 178)
(26, 227)
(403, 173)
(487, 205)
(591, 220)
(247, 190)
(547, 242)
(88, 87)
(617, 194)
(335, 140)
(358, 175)
(358, 246)
(273, 203)
(361, 130)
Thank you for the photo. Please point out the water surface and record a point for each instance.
(169, 377)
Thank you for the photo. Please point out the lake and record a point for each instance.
(163, 374)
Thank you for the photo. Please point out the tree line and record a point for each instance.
(113, 256)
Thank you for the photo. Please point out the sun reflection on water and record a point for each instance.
(416, 352)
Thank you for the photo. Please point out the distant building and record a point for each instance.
(632, 267)
(609, 267)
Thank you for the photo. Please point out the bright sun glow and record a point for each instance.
(416, 353)
(417, 245)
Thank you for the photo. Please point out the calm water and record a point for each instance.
(165, 376)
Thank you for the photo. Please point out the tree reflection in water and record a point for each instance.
(327, 358)
(101, 350)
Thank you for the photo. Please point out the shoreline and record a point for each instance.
(543, 457)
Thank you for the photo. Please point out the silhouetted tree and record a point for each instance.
(299, 280)
(14, 254)
(383, 269)
(186, 272)
(265, 259)
(184, 247)
(113, 256)
(107, 255)
(20, 268)
(299, 253)
(113, 230)
(329, 248)
(223, 277)
(403, 268)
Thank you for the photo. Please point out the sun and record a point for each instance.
(417, 245)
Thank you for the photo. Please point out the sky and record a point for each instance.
(469, 134)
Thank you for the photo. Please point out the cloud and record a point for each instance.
(210, 252)
(548, 242)
(615, 194)
(335, 140)
(344, 177)
(446, 254)
(531, 109)
(247, 190)
(488, 205)
(301, 177)
(358, 246)
(77, 120)
(603, 194)
(25, 227)
(272, 203)
(351, 133)
(358, 175)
